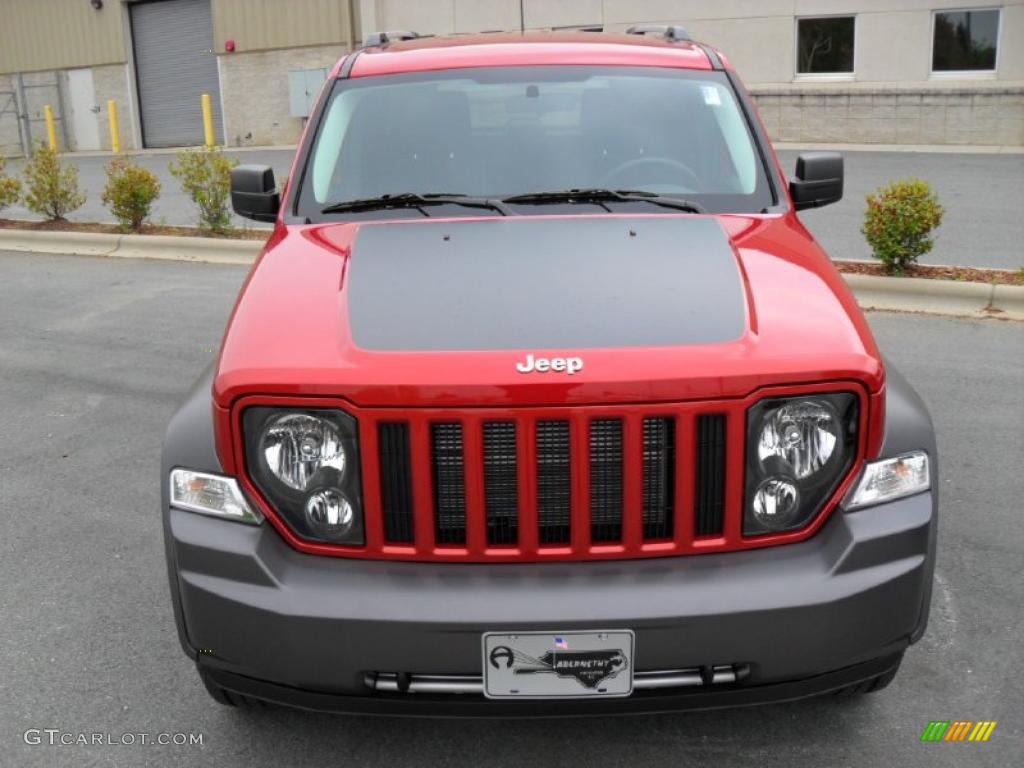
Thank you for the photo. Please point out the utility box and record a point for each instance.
(303, 86)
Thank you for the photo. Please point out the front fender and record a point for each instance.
(188, 442)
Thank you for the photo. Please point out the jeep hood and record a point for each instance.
(440, 312)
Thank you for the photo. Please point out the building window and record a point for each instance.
(965, 41)
(824, 46)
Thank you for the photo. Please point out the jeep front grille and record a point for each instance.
(576, 483)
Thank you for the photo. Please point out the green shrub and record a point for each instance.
(899, 221)
(130, 192)
(205, 176)
(51, 189)
(10, 187)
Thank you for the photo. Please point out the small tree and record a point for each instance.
(899, 221)
(130, 192)
(205, 176)
(10, 187)
(51, 189)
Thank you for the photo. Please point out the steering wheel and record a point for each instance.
(609, 179)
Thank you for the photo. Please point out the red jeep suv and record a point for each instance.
(541, 400)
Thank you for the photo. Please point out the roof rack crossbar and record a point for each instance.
(390, 36)
(671, 32)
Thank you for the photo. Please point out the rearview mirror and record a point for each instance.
(819, 180)
(254, 193)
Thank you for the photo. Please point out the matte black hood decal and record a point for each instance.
(544, 283)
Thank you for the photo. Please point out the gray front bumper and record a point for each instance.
(856, 591)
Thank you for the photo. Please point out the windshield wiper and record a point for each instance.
(602, 196)
(414, 200)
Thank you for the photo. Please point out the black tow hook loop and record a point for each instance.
(403, 679)
(707, 674)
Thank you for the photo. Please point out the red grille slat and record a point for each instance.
(579, 441)
(422, 484)
(632, 482)
(686, 449)
(473, 464)
(526, 450)
(371, 486)
(735, 450)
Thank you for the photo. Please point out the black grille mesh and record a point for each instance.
(501, 490)
(449, 484)
(606, 480)
(554, 496)
(396, 482)
(710, 492)
(659, 477)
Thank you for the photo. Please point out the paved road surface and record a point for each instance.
(94, 356)
(983, 195)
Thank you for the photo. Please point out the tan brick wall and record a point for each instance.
(112, 82)
(954, 115)
(255, 89)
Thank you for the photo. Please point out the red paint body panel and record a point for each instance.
(289, 335)
(288, 343)
(533, 49)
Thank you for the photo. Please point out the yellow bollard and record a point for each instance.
(208, 119)
(115, 134)
(51, 132)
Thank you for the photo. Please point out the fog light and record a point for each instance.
(776, 502)
(329, 513)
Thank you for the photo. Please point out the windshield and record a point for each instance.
(515, 132)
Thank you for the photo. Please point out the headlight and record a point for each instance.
(296, 446)
(306, 464)
(798, 451)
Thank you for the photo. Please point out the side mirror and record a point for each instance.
(254, 193)
(819, 180)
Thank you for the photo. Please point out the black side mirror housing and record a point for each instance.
(819, 180)
(254, 194)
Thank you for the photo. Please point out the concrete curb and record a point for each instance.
(174, 248)
(939, 297)
(207, 249)
(898, 294)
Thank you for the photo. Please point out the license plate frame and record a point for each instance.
(574, 664)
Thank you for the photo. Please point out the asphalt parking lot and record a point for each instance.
(94, 356)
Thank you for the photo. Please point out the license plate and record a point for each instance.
(558, 665)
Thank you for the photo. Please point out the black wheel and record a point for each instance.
(872, 685)
(226, 697)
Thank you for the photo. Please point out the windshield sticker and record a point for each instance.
(711, 95)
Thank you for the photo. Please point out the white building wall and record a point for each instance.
(892, 96)
(893, 37)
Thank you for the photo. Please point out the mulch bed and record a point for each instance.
(960, 274)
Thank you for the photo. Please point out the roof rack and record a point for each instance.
(671, 32)
(390, 36)
(579, 28)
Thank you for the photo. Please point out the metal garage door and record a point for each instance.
(174, 66)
